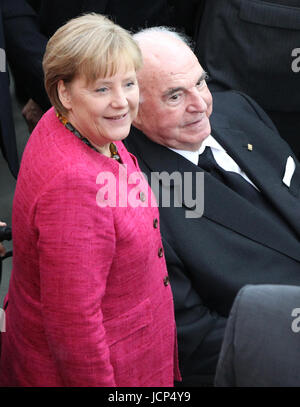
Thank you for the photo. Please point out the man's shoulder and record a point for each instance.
(236, 105)
(236, 110)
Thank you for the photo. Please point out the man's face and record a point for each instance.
(175, 100)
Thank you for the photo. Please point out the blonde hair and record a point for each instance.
(91, 46)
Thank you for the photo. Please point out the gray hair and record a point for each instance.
(152, 33)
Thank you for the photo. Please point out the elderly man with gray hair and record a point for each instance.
(250, 226)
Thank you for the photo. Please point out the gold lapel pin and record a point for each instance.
(250, 147)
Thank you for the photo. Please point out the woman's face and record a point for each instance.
(104, 110)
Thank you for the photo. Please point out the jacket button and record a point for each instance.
(160, 252)
(155, 223)
(166, 281)
(142, 196)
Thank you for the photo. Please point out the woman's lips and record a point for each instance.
(118, 117)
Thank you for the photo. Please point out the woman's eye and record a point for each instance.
(129, 84)
(101, 90)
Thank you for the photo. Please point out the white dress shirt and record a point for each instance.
(220, 155)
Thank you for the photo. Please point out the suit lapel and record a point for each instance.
(225, 207)
(229, 209)
(265, 171)
(221, 205)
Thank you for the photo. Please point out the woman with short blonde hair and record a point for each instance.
(92, 46)
(89, 302)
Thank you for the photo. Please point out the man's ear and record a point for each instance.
(64, 94)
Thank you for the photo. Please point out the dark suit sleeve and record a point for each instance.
(200, 331)
(25, 47)
(186, 15)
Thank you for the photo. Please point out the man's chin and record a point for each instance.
(203, 134)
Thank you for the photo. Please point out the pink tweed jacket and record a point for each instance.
(89, 302)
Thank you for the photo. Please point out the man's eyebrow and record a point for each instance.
(203, 76)
(171, 91)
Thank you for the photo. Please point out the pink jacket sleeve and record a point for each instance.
(76, 243)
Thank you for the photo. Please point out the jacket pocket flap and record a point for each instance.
(273, 15)
(126, 324)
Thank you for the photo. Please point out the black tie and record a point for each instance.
(208, 163)
(233, 180)
(238, 184)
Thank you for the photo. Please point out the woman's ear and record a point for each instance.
(64, 94)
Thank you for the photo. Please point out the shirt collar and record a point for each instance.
(193, 156)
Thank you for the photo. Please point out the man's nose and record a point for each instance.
(196, 103)
(119, 99)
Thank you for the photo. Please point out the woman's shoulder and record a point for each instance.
(41, 152)
(42, 136)
(48, 121)
(52, 150)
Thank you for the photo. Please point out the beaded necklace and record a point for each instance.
(112, 147)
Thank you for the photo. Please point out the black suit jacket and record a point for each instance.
(186, 16)
(24, 48)
(130, 14)
(247, 45)
(253, 46)
(261, 343)
(234, 243)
